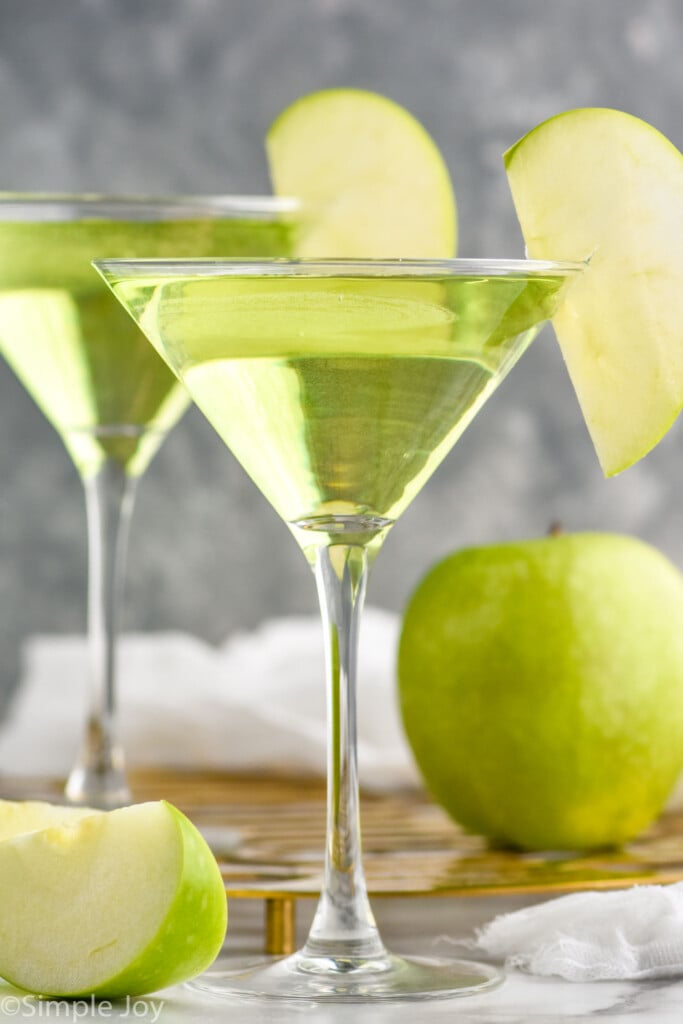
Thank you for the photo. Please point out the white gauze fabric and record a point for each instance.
(627, 934)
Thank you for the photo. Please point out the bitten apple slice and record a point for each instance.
(120, 903)
(372, 181)
(19, 816)
(603, 184)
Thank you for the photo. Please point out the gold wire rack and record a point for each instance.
(268, 837)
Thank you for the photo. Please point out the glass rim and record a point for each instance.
(362, 267)
(73, 206)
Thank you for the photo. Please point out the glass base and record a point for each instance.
(327, 979)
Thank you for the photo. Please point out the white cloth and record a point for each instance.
(256, 703)
(628, 934)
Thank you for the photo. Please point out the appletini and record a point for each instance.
(102, 387)
(340, 386)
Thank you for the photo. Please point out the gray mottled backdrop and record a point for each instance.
(170, 95)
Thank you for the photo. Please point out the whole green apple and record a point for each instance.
(541, 688)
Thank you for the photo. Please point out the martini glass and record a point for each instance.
(103, 388)
(340, 386)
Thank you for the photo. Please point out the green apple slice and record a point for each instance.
(120, 903)
(603, 184)
(19, 816)
(371, 179)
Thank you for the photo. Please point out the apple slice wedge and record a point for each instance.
(601, 184)
(372, 181)
(119, 903)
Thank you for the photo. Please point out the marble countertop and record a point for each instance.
(428, 925)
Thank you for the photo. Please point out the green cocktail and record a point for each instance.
(76, 352)
(338, 396)
(101, 385)
(340, 386)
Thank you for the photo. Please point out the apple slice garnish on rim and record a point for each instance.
(601, 184)
(370, 177)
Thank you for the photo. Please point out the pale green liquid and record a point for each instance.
(78, 353)
(339, 436)
(340, 396)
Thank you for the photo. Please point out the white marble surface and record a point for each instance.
(417, 925)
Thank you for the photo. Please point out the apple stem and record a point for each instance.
(555, 529)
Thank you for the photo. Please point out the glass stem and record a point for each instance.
(344, 928)
(98, 778)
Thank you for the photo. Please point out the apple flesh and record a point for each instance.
(371, 179)
(17, 817)
(118, 903)
(541, 688)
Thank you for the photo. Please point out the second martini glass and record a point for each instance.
(340, 386)
(103, 388)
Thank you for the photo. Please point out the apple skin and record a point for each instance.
(199, 901)
(46, 874)
(541, 688)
